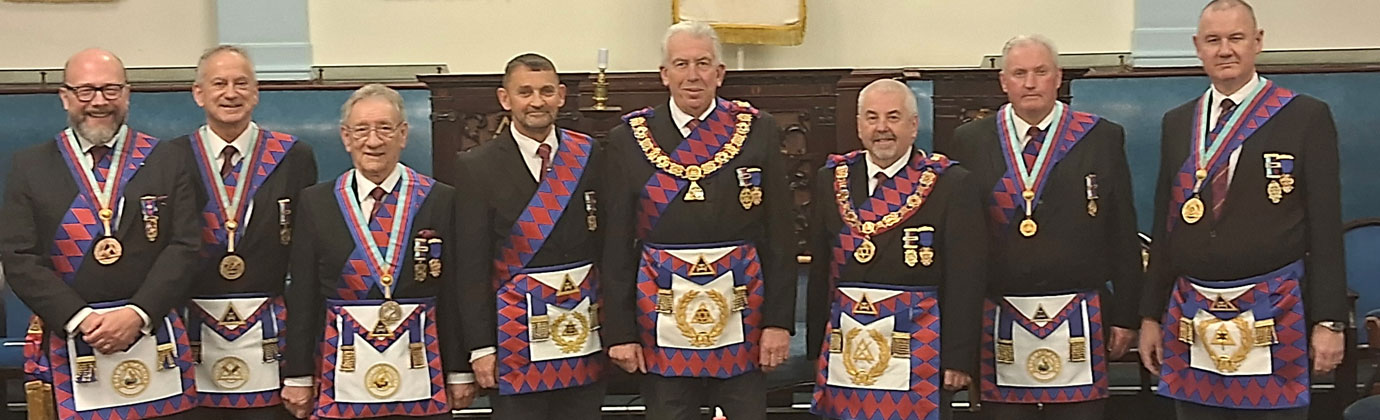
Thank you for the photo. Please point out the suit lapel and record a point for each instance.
(512, 167)
(664, 130)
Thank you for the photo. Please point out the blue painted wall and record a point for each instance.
(924, 98)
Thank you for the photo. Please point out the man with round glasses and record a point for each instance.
(100, 241)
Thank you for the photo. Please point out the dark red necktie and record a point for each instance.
(98, 154)
(1220, 180)
(377, 194)
(227, 156)
(1032, 146)
(544, 152)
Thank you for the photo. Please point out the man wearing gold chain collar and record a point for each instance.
(1246, 295)
(1063, 225)
(699, 268)
(898, 258)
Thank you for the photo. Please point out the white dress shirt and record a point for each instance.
(1022, 127)
(890, 171)
(527, 147)
(681, 118)
(1215, 113)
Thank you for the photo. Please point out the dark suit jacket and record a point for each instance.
(1255, 236)
(954, 209)
(494, 189)
(266, 258)
(155, 276)
(1071, 250)
(321, 244)
(719, 218)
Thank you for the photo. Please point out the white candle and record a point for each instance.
(603, 58)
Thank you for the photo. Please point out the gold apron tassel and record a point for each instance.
(347, 359)
(86, 370)
(39, 398)
(166, 359)
(739, 298)
(1006, 354)
(1078, 349)
(418, 354)
(270, 350)
(35, 325)
(541, 328)
(1186, 331)
(836, 341)
(1265, 333)
(196, 351)
(664, 301)
(900, 345)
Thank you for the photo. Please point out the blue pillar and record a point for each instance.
(1163, 36)
(275, 33)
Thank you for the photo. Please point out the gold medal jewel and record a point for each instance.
(108, 250)
(130, 378)
(1028, 226)
(865, 251)
(231, 372)
(1192, 210)
(390, 312)
(1274, 192)
(232, 267)
(382, 380)
(1092, 208)
(1043, 365)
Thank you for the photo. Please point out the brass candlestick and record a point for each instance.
(601, 94)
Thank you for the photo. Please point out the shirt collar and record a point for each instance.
(1022, 127)
(890, 171)
(681, 118)
(363, 186)
(1237, 97)
(241, 143)
(115, 141)
(528, 146)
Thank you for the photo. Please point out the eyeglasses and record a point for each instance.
(385, 131)
(86, 93)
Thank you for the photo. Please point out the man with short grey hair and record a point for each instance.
(699, 264)
(247, 185)
(1063, 225)
(1246, 296)
(899, 245)
(371, 290)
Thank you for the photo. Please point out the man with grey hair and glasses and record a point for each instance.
(236, 317)
(699, 269)
(1063, 227)
(374, 282)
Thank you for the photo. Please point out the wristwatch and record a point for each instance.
(1335, 326)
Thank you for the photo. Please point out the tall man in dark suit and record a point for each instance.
(1059, 204)
(527, 203)
(898, 240)
(100, 240)
(246, 173)
(699, 265)
(373, 271)
(1246, 289)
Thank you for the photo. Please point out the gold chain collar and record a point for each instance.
(694, 172)
(869, 228)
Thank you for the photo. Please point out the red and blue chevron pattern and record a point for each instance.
(1006, 195)
(545, 208)
(1276, 293)
(80, 227)
(61, 370)
(704, 141)
(517, 373)
(269, 153)
(1269, 102)
(888, 198)
(272, 309)
(328, 407)
(1065, 394)
(723, 362)
(360, 274)
(921, 401)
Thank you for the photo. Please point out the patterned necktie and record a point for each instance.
(377, 194)
(1220, 180)
(1035, 139)
(544, 152)
(227, 160)
(100, 166)
(692, 124)
(877, 180)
